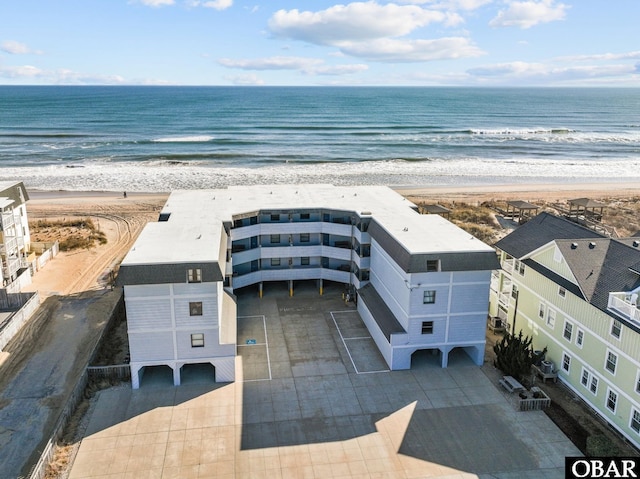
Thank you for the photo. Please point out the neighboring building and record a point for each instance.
(14, 231)
(575, 292)
(420, 281)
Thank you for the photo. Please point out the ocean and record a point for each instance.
(151, 139)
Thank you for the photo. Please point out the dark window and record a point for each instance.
(616, 329)
(429, 297)
(275, 261)
(612, 400)
(427, 327)
(304, 261)
(275, 238)
(275, 217)
(304, 237)
(433, 265)
(305, 216)
(195, 308)
(612, 360)
(194, 275)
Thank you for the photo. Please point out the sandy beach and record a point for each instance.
(122, 219)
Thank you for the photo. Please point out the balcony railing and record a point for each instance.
(507, 265)
(625, 305)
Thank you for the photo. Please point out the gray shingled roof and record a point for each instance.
(539, 231)
(382, 315)
(600, 265)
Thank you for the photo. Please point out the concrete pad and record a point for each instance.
(318, 417)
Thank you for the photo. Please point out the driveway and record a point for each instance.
(313, 399)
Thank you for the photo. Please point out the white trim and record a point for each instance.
(565, 355)
(615, 364)
(579, 332)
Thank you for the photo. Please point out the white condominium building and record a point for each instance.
(420, 282)
(14, 230)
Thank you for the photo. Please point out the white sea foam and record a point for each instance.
(184, 139)
(99, 176)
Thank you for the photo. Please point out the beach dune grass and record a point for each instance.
(73, 234)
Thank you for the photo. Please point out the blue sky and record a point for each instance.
(317, 42)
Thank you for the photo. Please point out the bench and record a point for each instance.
(510, 384)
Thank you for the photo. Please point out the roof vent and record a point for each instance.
(574, 245)
(405, 229)
(636, 243)
(591, 245)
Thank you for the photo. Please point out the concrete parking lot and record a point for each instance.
(313, 398)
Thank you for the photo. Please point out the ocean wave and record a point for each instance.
(520, 132)
(399, 172)
(184, 139)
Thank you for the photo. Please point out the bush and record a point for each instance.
(514, 355)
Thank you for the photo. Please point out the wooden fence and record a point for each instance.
(119, 371)
(535, 403)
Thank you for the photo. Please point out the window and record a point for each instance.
(429, 297)
(304, 237)
(612, 360)
(275, 239)
(275, 217)
(514, 291)
(562, 292)
(638, 382)
(584, 379)
(195, 308)
(635, 421)
(275, 261)
(427, 327)
(305, 216)
(541, 311)
(580, 338)
(194, 275)
(304, 261)
(433, 265)
(197, 340)
(566, 362)
(551, 318)
(612, 400)
(594, 385)
(616, 329)
(519, 267)
(568, 330)
(589, 381)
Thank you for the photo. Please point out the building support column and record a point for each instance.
(176, 375)
(321, 286)
(290, 287)
(260, 289)
(445, 356)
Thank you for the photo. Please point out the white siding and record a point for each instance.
(469, 328)
(148, 314)
(209, 318)
(151, 346)
(470, 298)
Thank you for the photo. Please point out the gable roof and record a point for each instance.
(541, 230)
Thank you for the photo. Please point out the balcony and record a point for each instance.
(625, 305)
(7, 220)
(507, 265)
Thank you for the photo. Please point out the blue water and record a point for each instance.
(161, 138)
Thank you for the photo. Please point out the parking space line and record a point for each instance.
(344, 343)
(265, 344)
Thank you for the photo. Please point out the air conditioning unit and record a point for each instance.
(547, 367)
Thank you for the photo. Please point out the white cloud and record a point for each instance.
(246, 80)
(398, 51)
(549, 74)
(218, 4)
(358, 21)
(309, 66)
(602, 57)
(456, 5)
(17, 48)
(529, 13)
(157, 3)
(271, 63)
(60, 76)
